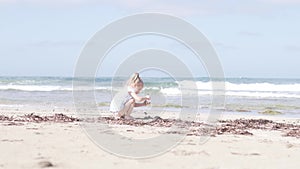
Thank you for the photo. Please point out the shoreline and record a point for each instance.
(235, 126)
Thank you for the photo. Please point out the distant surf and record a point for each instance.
(264, 88)
(242, 94)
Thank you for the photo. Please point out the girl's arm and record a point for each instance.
(140, 104)
(138, 98)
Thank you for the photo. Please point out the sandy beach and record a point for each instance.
(90, 84)
(62, 143)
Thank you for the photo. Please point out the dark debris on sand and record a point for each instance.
(57, 118)
(291, 130)
(236, 127)
(295, 132)
(60, 118)
(154, 122)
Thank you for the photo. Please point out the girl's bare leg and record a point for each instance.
(128, 107)
(130, 110)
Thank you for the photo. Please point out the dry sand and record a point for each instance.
(66, 146)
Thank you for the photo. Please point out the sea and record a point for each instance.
(242, 95)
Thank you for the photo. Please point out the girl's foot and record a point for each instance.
(117, 116)
(129, 118)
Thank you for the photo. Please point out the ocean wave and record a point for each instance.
(259, 90)
(30, 88)
(44, 88)
(262, 87)
(263, 94)
(171, 91)
(177, 92)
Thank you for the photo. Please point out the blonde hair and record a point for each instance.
(135, 79)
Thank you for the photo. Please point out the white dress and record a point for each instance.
(120, 99)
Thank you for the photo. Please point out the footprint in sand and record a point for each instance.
(245, 154)
(289, 145)
(45, 164)
(14, 140)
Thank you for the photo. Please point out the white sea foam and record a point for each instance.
(44, 88)
(263, 90)
(259, 90)
(30, 88)
(171, 91)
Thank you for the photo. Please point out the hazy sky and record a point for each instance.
(253, 38)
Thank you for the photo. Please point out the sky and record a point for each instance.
(253, 38)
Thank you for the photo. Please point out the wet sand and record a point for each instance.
(58, 141)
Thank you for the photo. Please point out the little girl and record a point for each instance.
(124, 107)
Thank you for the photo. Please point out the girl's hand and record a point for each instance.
(148, 97)
(146, 103)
